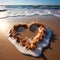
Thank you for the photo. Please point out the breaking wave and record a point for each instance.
(14, 12)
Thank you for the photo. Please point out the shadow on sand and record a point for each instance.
(53, 39)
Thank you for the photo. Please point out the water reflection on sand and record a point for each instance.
(3, 25)
(7, 23)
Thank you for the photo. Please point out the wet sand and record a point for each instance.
(9, 52)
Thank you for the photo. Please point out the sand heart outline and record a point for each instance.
(30, 45)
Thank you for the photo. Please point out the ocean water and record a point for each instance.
(28, 10)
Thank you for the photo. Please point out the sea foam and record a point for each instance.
(38, 51)
(13, 11)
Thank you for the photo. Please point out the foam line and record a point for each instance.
(38, 51)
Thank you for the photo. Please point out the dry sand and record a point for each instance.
(52, 52)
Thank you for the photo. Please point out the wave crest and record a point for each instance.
(14, 12)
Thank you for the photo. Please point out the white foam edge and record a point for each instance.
(38, 51)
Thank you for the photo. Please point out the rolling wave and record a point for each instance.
(15, 12)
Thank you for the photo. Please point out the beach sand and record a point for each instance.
(9, 52)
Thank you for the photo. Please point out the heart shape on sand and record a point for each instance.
(27, 45)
